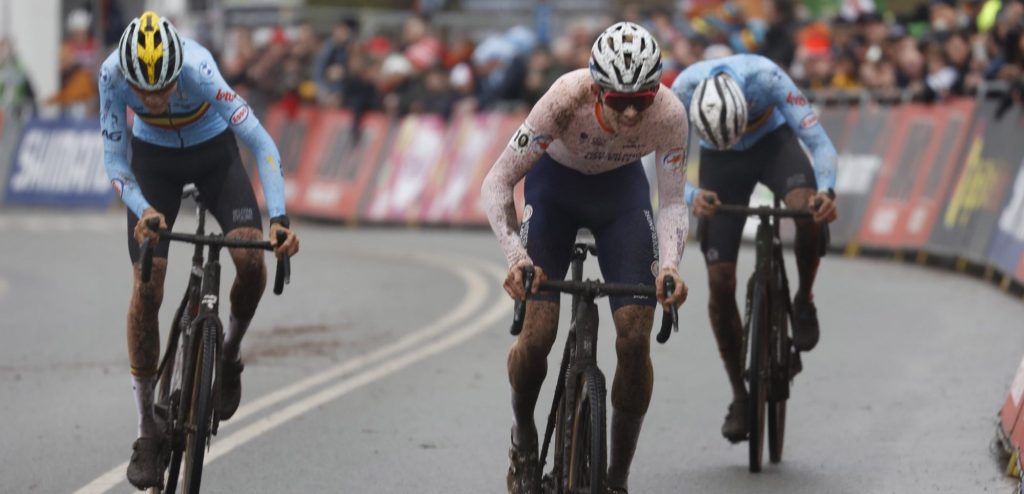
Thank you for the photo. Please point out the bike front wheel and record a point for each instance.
(587, 445)
(758, 375)
(201, 411)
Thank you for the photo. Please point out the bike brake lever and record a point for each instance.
(670, 318)
(519, 313)
(284, 267)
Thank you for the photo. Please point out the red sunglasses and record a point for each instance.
(620, 101)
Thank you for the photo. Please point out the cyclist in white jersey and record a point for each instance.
(579, 151)
(186, 120)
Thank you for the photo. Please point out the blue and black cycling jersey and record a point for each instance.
(202, 106)
(773, 100)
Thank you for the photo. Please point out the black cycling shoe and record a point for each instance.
(230, 389)
(523, 471)
(805, 324)
(735, 426)
(149, 458)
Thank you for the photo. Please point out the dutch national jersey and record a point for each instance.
(773, 100)
(201, 107)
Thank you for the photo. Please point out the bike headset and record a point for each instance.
(718, 109)
(625, 62)
(150, 52)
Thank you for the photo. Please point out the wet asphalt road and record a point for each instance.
(382, 370)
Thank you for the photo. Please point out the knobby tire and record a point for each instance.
(201, 411)
(758, 372)
(587, 454)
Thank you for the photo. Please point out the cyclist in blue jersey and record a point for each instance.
(186, 121)
(751, 119)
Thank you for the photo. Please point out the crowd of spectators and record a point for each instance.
(946, 47)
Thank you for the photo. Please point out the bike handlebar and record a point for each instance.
(669, 321)
(281, 278)
(763, 211)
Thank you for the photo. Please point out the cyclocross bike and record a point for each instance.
(188, 393)
(578, 413)
(773, 359)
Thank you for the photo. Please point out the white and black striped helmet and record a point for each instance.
(626, 58)
(150, 52)
(718, 111)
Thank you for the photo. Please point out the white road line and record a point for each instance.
(475, 297)
(220, 448)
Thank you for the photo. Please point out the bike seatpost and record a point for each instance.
(520, 309)
(146, 263)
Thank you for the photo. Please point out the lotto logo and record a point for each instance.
(240, 115)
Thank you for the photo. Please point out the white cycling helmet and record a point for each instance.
(718, 111)
(150, 52)
(626, 58)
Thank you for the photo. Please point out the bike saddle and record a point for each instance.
(190, 191)
(585, 240)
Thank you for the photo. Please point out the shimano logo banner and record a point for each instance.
(59, 163)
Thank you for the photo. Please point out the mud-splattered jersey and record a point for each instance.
(567, 124)
(773, 100)
(201, 107)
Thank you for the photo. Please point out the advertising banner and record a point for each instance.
(977, 198)
(1007, 249)
(473, 145)
(59, 163)
(289, 130)
(339, 164)
(915, 173)
(404, 175)
(860, 150)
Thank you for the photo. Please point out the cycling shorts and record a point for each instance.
(215, 166)
(776, 161)
(615, 206)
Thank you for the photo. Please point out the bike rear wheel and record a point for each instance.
(201, 412)
(587, 445)
(758, 373)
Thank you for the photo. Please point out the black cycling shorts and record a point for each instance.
(215, 166)
(777, 161)
(615, 206)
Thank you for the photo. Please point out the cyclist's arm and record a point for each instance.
(673, 215)
(114, 128)
(247, 127)
(524, 149)
(683, 87)
(801, 117)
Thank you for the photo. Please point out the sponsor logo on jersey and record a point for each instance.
(104, 77)
(114, 136)
(206, 70)
(809, 121)
(542, 141)
(225, 96)
(527, 212)
(796, 99)
(240, 115)
(521, 140)
(674, 159)
(654, 269)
